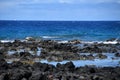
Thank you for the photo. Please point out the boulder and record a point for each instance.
(69, 65)
(117, 54)
(17, 41)
(92, 70)
(43, 66)
(38, 76)
(111, 39)
(101, 56)
(29, 39)
(25, 54)
(19, 74)
(3, 64)
(1, 55)
(75, 41)
(4, 76)
(16, 64)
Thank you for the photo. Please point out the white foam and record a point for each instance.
(20, 50)
(91, 42)
(23, 40)
(11, 52)
(49, 37)
(39, 51)
(99, 42)
(87, 42)
(6, 41)
(62, 41)
(110, 42)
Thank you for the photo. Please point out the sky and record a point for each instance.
(75, 10)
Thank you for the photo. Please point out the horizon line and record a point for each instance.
(60, 20)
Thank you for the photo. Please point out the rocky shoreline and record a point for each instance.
(51, 50)
(42, 71)
(20, 60)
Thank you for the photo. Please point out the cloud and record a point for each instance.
(75, 1)
(6, 2)
(4, 5)
(89, 1)
(66, 1)
(60, 9)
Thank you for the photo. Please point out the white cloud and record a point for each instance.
(10, 3)
(27, 9)
(89, 1)
(4, 5)
(66, 1)
(43, 1)
(76, 1)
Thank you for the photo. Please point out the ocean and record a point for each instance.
(60, 30)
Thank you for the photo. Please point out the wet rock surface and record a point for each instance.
(117, 54)
(68, 71)
(56, 51)
(24, 55)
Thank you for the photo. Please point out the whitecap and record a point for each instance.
(62, 41)
(99, 42)
(110, 42)
(6, 41)
(49, 37)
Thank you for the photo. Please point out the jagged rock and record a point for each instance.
(92, 70)
(69, 65)
(43, 71)
(16, 64)
(117, 54)
(43, 67)
(38, 76)
(1, 56)
(111, 39)
(30, 39)
(4, 76)
(19, 74)
(17, 41)
(75, 41)
(25, 54)
(101, 56)
(96, 77)
(3, 64)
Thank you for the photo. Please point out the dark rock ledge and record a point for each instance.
(42, 71)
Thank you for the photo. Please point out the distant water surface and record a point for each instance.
(60, 30)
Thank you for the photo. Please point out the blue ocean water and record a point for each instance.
(60, 30)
